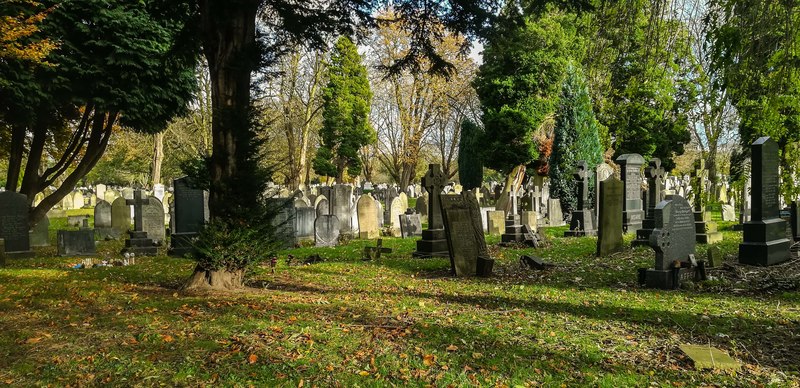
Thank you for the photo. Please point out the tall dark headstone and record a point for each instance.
(14, 224)
(76, 242)
(139, 243)
(673, 242)
(582, 223)
(609, 223)
(764, 241)
(632, 212)
(434, 241)
(464, 230)
(705, 229)
(189, 215)
(655, 178)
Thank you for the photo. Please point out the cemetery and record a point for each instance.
(456, 194)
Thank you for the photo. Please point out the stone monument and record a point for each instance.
(582, 223)
(434, 241)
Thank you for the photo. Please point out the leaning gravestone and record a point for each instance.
(609, 223)
(410, 225)
(14, 224)
(673, 242)
(76, 242)
(367, 208)
(190, 213)
(326, 231)
(467, 247)
(120, 216)
(764, 241)
(632, 213)
(102, 219)
(40, 234)
(153, 220)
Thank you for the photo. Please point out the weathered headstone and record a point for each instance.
(120, 216)
(582, 222)
(284, 219)
(40, 233)
(190, 213)
(467, 247)
(654, 174)
(159, 191)
(609, 223)
(422, 207)
(341, 207)
(100, 191)
(368, 227)
(795, 220)
(14, 224)
(326, 230)
(76, 242)
(410, 225)
(434, 240)
(554, 214)
(495, 222)
(764, 241)
(632, 213)
(76, 221)
(102, 219)
(673, 242)
(601, 173)
(395, 210)
(304, 222)
(153, 220)
(138, 242)
(705, 229)
(530, 219)
(728, 212)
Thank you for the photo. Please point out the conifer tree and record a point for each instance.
(470, 165)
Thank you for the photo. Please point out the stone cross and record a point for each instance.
(433, 182)
(581, 176)
(655, 175)
(138, 209)
(699, 175)
(536, 198)
(375, 252)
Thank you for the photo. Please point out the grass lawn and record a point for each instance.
(395, 321)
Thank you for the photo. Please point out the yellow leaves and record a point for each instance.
(477, 355)
(363, 373)
(329, 368)
(428, 359)
(452, 348)
(35, 340)
(167, 338)
(252, 359)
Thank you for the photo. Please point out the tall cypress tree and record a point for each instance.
(345, 120)
(470, 165)
(576, 138)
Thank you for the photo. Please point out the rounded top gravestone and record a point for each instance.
(367, 220)
(673, 238)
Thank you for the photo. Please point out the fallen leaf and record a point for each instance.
(452, 348)
(167, 338)
(252, 359)
(477, 356)
(428, 359)
(33, 340)
(363, 373)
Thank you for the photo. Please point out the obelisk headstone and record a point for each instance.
(632, 213)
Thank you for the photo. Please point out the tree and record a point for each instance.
(755, 54)
(345, 118)
(519, 81)
(415, 110)
(470, 164)
(576, 138)
(18, 30)
(131, 68)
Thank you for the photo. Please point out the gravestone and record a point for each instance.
(530, 219)
(78, 202)
(466, 245)
(422, 208)
(138, 242)
(582, 222)
(601, 173)
(764, 238)
(40, 233)
(100, 191)
(322, 206)
(76, 242)
(609, 223)
(326, 231)
(632, 212)
(728, 212)
(153, 220)
(513, 231)
(284, 220)
(495, 222)
(368, 227)
(374, 253)
(102, 220)
(655, 175)
(410, 225)
(159, 191)
(120, 216)
(705, 229)
(14, 224)
(795, 220)
(403, 201)
(434, 241)
(2, 252)
(673, 242)
(554, 214)
(341, 207)
(77, 221)
(395, 210)
(189, 214)
(304, 218)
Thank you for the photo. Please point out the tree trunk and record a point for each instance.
(15, 157)
(30, 182)
(218, 280)
(158, 158)
(228, 35)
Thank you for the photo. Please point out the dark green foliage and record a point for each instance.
(519, 81)
(470, 164)
(345, 119)
(576, 138)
